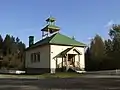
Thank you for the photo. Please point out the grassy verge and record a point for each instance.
(46, 75)
(61, 75)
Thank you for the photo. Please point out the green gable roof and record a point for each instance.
(51, 19)
(59, 39)
(62, 39)
(50, 27)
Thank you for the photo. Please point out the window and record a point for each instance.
(35, 57)
(38, 56)
(32, 57)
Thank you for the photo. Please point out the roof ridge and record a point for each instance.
(46, 38)
(52, 36)
(58, 38)
(67, 37)
(72, 39)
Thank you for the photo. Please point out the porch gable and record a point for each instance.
(71, 50)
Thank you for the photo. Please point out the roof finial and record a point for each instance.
(51, 20)
(50, 15)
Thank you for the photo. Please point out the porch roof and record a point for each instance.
(61, 54)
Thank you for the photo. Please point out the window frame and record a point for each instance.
(32, 57)
(38, 56)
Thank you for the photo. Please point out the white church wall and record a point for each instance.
(44, 57)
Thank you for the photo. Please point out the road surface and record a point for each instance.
(82, 83)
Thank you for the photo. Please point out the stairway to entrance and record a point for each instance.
(76, 69)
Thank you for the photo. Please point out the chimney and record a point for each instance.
(31, 40)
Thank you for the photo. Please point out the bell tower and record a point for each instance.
(50, 28)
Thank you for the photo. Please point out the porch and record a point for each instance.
(68, 59)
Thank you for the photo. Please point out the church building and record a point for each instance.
(55, 52)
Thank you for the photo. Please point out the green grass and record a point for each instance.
(60, 75)
(47, 75)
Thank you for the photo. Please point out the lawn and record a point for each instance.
(60, 75)
(46, 75)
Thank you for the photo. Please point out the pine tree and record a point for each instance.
(1, 45)
(97, 52)
(13, 53)
(115, 38)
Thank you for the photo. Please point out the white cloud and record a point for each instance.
(109, 24)
(90, 38)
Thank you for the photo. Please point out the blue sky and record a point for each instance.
(80, 18)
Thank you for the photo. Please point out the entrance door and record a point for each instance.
(71, 59)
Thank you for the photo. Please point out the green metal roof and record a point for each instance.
(65, 40)
(59, 39)
(50, 27)
(53, 27)
(50, 19)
